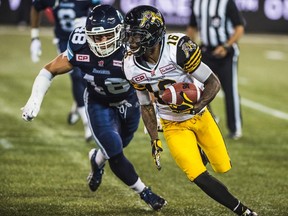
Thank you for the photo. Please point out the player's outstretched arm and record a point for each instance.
(42, 82)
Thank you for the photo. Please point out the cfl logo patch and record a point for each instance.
(139, 78)
(82, 58)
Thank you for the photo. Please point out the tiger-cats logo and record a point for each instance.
(152, 17)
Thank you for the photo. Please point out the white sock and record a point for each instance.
(82, 113)
(100, 158)
(138, 187)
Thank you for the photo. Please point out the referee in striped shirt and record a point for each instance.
(220, 26)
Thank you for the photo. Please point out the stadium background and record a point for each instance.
(262, 16)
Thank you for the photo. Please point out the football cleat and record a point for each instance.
(153, 200)
(235, 136)
(73, 115)
(249, 212)
(95, 176)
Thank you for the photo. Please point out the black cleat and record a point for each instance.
(153, 200)
(95, 176)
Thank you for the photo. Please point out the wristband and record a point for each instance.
(226, 46)
(34, 33)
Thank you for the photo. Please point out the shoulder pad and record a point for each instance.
(77, 38)
(188, 54)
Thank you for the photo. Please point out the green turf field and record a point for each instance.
(44, 164)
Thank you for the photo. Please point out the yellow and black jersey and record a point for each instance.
(179, 61)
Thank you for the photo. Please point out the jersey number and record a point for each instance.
(66, 19)
(162, 85)
(78, 37)
(172, 39)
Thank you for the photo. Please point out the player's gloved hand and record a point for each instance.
(30, 110)
(156, 150)
(186, 107)
(35, 50)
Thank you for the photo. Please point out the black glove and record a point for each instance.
(156, 149)
(186, 107)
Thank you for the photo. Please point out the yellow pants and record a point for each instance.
(183, 137)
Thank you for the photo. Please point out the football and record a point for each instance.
(171, 95)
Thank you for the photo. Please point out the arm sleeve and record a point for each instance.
(40, 86)
(202, 73)
(192, 21)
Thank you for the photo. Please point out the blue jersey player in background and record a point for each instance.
(67, 15)
(111, 103)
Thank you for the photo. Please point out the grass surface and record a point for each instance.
(44, 164)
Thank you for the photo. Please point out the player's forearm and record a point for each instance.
(59, 65)
(212, 87)
(34, 18)
(239, 31)
(150, 121)
(192, 33)
(40, 86)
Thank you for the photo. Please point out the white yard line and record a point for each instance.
(261, 108)
(264, 109)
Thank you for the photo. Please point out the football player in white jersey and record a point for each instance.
(155, 60)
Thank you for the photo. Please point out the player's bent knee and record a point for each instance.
(221, 168)
(192, 175)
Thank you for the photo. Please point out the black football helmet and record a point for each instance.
(144, 27)
(104, 20)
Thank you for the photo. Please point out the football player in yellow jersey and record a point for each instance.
(155, 60)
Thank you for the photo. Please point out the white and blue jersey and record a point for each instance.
(112, 104)
(105, 79)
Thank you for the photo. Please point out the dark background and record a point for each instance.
(262, 16)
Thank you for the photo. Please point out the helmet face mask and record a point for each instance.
(103, 30)
(144, 28)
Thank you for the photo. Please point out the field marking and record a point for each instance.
(260, 107)
(264, 109)
(5, 144)
(275, 55)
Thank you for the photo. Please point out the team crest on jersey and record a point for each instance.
(149, 17)
(139, 78)
(82, 58)
(167, 68)
(216, 21)
(188, 47)
(117, 63)
(101, 63)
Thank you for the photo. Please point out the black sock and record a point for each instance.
(123, 169)
(219, 192)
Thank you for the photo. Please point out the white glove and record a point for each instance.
(40, 86)
(30, 110)
(35, 50)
